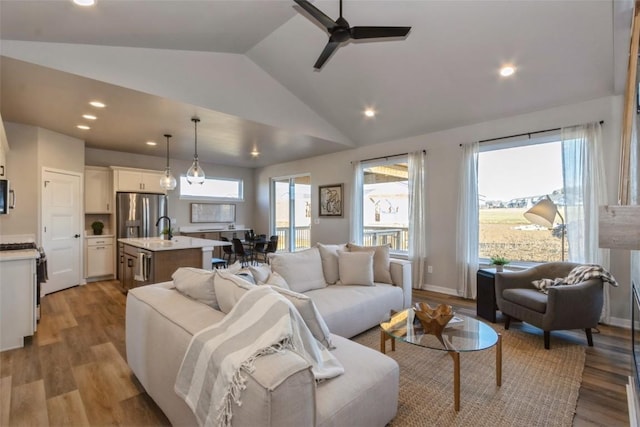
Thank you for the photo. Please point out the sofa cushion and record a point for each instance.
(381, 273)
(229, 289)
(329, 256)
(275, 279)
(310, 314)
(356, 268)
(349, 310)
(196, 283)
(356, 397)
(530, 298)
(302, 270)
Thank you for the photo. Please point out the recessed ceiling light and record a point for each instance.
(152, 143)
(97, 104)
(507, 70)
(84, 2)
(89, 116)
(83, 127)
(255, 152)
(370, 112)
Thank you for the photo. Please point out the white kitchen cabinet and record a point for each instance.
(98, 197)
(137, 180)
(17, 300)
(3, 153)
(99, 259)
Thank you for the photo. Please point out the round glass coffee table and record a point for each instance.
(462, 334)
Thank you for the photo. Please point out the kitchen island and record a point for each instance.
(151, 260)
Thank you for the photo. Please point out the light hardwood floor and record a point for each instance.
(73, 372)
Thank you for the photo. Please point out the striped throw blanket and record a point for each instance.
(213, 371)
(576, 275)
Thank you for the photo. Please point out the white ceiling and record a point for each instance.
(443, 75)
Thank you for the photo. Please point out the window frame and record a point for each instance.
(551, 136)
(184, 184)
(390, 160)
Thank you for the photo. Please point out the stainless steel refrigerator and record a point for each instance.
(136, 216)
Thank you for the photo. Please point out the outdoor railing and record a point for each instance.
(396, 237)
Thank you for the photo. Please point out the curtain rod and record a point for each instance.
(523, 134)
(386, 157)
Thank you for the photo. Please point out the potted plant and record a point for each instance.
(97, 227)
(499, 262)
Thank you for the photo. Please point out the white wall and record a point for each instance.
(22, 167)
(31, 149)
(443, 158)
(181, 209)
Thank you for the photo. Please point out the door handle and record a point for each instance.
(76, 236)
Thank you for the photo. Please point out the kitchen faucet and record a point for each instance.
(169, 234)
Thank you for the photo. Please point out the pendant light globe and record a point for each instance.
(167, 182)
(195, 174)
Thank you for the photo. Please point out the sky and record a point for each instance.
(518, 172)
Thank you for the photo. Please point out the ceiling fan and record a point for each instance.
(340, 31)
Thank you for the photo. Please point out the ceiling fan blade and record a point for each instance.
(377, 32)
(317, 14)
(326, 53)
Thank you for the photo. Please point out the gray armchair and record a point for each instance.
(565, 307)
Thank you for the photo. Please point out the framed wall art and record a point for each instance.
(331, 200)
(213, 212)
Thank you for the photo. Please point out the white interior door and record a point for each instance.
(61, 229)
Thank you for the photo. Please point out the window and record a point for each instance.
(212, 188)
(291, 219)
(512, 177)
(385, 203)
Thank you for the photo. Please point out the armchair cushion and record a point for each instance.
(529, 298)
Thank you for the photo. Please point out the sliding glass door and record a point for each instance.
(291, 207)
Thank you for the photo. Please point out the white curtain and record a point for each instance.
(356, 204)
(584, 191)
(418, 218)
(467, 228)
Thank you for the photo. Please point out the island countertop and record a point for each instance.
(176, 243)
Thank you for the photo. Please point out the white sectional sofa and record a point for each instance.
(160, 322)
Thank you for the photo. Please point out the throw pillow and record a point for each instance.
(229, 289)
(310, 314)
(356, 268)
(329, 256)
(302, 270)
(275, 279)
(197, 284)
(260, 272)
(247, 276)
(381, 260)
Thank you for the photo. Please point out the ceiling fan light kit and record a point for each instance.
(340, 31)
(195, 174)
(168, 182)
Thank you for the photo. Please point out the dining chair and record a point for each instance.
(272, 247)
(243, 254)
(227, 251)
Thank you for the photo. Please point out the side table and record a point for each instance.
(486, 294)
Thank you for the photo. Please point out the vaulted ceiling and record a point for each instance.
(245, 67)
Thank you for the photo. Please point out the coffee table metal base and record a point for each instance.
(455, 355)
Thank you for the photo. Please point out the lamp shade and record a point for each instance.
(542, 213)
(195, 174)
(167, 182)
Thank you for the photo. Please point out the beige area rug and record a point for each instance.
(539, 387)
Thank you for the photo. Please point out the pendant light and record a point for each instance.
(195, 174)
(167, 182)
